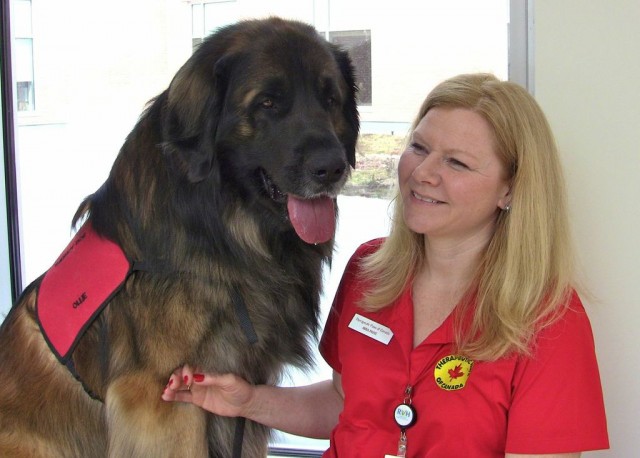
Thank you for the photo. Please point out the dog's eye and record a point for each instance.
(267, 103)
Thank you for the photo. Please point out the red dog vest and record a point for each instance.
(73, 292)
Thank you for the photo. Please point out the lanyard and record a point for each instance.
(405, 416)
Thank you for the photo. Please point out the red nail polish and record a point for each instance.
(198, 377)
(186, 380)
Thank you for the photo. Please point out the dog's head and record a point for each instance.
(266, 109)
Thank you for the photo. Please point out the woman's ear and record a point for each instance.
(504, 202)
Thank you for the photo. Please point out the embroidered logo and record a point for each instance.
(452, 372)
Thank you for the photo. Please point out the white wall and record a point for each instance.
(587, 71)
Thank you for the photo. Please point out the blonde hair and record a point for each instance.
(526, 271)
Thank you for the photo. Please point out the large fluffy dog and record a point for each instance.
(223, 196)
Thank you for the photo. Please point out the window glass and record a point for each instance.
(23, 55)
(21, 14)
(92, 71)
(358, 44)
(5, 268)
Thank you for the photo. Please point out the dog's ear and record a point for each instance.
(350, 108)
(193, 107)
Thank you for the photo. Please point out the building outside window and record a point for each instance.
(358, 44)
(23, 56)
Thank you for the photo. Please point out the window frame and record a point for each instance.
(10, 218)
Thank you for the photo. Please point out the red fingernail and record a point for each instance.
(198, 377)
(186, 380)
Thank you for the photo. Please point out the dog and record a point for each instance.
(220, 209)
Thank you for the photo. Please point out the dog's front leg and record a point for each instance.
(142, 425)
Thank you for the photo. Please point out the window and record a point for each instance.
(6, 280)
(23, 56)
(358, 44)
(90, 91)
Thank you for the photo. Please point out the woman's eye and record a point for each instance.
(417, 148)
(456, 164)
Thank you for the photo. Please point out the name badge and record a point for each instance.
(371, 329)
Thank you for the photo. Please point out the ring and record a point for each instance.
(189, 387)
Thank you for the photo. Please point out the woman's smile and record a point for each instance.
(426, 199)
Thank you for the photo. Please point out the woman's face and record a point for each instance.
(451, 180)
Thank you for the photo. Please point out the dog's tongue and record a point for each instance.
(313, 219)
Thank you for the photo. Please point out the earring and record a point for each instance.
(507, 208)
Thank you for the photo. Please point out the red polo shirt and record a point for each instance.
(548, 403)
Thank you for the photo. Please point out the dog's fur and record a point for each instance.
(263, 110)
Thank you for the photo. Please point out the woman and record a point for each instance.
(460, 334)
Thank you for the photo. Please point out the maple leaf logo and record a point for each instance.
(456, 372)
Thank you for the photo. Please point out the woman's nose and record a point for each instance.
(428, 170)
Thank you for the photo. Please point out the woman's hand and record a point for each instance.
(227, 395)
(310, 411)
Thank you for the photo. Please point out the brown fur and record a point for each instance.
(260, 105)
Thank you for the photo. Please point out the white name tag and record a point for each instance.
(371, 329)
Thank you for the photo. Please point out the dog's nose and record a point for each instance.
(328, 171)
